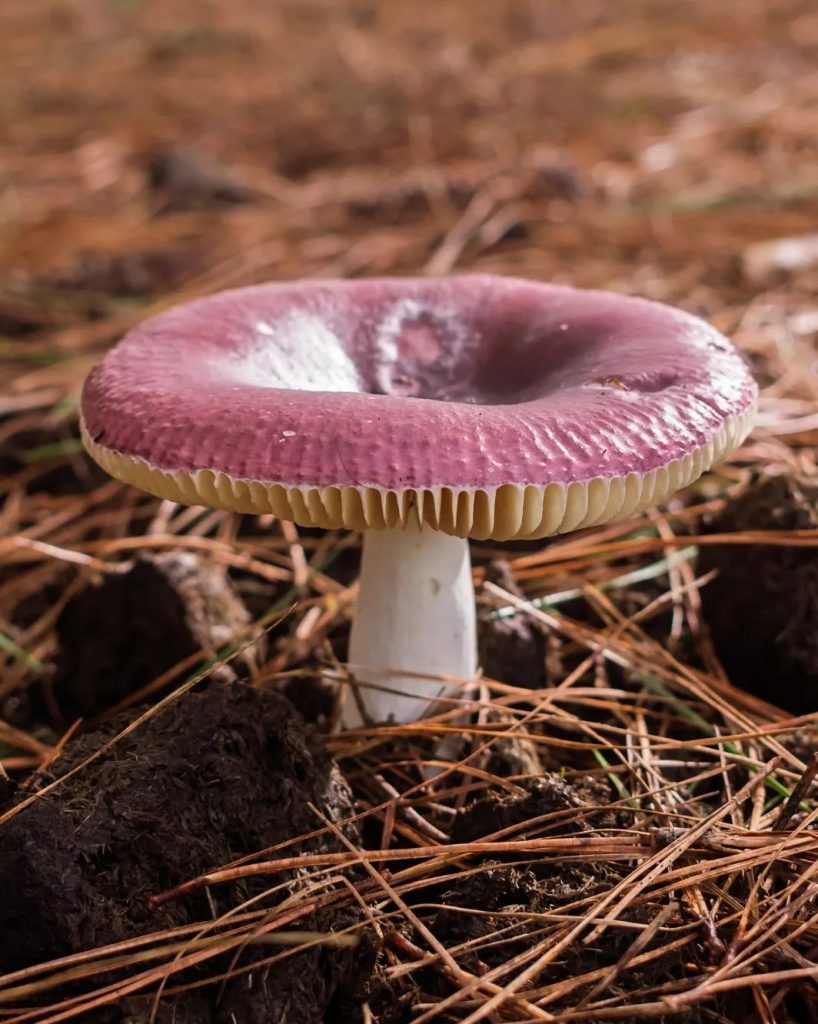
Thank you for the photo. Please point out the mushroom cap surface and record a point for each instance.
(486, 406)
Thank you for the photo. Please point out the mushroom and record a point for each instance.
(423, 412)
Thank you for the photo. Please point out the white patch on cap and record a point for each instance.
(299, 352)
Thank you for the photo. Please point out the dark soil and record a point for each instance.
(502, 897)
(125, 631)
(545, 808)
(762, 608)
(212, 777)
(507, 894)
(511, 649)
(498, 811)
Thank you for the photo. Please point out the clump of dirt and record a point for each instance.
(512, 649)
(123, 632)
(547, 807)
(549, 796)
(762, 607)
(501, 897)
(212, 777)
(500, 909)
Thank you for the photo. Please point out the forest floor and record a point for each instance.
(627, 830)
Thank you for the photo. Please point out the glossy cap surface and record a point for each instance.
(488, 406)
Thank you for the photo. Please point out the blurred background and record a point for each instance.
(153, 150)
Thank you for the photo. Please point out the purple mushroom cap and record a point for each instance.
(487, 406)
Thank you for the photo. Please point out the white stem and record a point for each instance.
(415, 613)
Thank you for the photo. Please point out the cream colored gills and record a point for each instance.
(502, 513)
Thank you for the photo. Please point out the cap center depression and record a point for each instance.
(418, 350)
